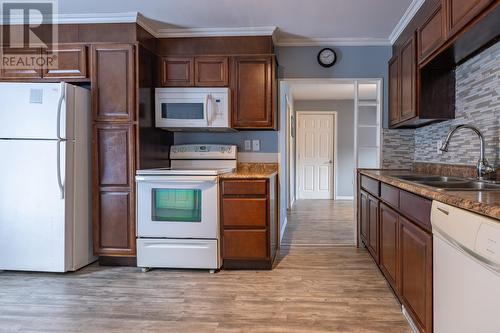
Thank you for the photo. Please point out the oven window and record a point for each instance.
(176, 205)
(182, 111)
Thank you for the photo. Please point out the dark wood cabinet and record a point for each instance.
(460, 12)
(114, 199)
(14, 71)
(71, 62)
(394, 105)
(113, 82)
(373, 228)
(431, 34)
(363, 216)
(254, 92)
(389, 251)
(394, 226)
(211, 71)
(416, 273)
(407, 80)
(249, 223)
(177, 71)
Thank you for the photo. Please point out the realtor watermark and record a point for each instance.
(27, 34)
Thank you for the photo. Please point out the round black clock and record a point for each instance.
(327, 57)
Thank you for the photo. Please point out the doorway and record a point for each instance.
(316, 155)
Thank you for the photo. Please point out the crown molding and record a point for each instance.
(403, 22)
(216, 32)
(333, 42)
(127, 17)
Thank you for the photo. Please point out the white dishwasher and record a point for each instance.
(466, 271)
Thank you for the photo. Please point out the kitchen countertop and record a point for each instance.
(253, 171)
(482, 202)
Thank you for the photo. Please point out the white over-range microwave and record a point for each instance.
(195, 109)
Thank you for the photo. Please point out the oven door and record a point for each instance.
(177, 207)
(177, 111)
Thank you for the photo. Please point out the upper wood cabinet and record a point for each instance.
(177, 71)
(71, 62)
(460, 12)
(254, 92)
(199, 71)
(30, 71)
(407, 82)
(432, 33)
(394, 108)
(211, 71)
(113, 82)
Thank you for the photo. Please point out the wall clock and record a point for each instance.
(327, 57)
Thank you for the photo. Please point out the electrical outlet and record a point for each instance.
(439, 145)
(248, 145)
(256, 145)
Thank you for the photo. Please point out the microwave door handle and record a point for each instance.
(209, 110)
(205, 113)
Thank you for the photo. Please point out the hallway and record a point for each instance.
(320, 222)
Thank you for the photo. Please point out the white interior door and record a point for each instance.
(315, 145)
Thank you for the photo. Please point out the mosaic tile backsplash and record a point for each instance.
(477, 103)
(398, 148)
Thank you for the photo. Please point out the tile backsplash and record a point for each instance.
(398, 148)
(477, 103)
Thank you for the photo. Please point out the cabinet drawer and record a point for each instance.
(244, 212)
(253, 187)
(371, 185)
(389, 194)
(418, 209)
(245, 244)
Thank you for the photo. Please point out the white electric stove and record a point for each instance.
(178, 208)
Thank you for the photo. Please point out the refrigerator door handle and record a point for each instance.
(59, 107)
(60, 182)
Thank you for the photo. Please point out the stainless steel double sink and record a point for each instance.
(444, 183)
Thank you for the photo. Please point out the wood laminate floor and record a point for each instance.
(312, 289)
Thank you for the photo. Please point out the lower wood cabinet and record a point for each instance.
(416, 273)
(249, 223)
(395, 227)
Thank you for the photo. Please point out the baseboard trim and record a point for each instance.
(409, 320)
(117, 261)
(283, 227)
(344, 197)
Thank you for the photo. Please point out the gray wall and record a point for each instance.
(345, 138)
(268, 139)
(352, 62)
(477, 103)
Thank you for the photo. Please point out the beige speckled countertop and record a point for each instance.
(253, 171)
(482, 202)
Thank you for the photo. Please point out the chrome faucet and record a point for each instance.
(484, 169)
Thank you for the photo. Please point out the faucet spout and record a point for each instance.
(483, 167)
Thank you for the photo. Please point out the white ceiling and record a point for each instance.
(314, 91)
(365, 21)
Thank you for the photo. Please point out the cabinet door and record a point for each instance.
(211, 71)
(71, 62)
(407, 80)
(22, 65)
(363, 216)
(432, 33)
(394, 102)
(177, 71)
(253, 88)
(389, 256)
(113, 82)
(461, 12)
(373, 228)
(416, 273)
(114, 200)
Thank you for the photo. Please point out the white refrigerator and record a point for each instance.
(45, 177)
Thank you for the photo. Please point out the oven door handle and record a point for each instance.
(176, 179)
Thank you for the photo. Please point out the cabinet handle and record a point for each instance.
(443, 211)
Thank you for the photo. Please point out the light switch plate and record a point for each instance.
(256, 145)
(248, 145)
